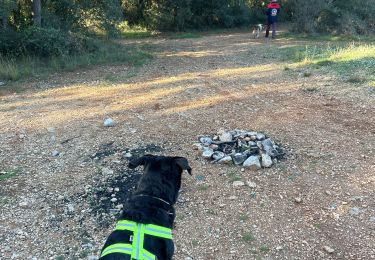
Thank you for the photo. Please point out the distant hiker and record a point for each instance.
(273, 10)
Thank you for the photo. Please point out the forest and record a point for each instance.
(46, 28)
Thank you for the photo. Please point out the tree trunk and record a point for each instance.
(37, 13)
(4, 20)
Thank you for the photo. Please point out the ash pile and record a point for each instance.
(249, 149)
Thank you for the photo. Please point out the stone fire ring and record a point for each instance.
(249, 149)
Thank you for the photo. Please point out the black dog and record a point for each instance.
(144, 229)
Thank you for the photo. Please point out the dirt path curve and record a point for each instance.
(193, 87)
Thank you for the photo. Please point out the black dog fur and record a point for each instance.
(161, 179)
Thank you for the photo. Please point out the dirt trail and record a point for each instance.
(193, 87)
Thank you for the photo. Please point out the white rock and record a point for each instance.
(113, 200)
(279, 248)
(238, 184)
(109, 122)
(328, 249)
(251, 184)
(218, 155)
(55, 153)
(117, 189)
(233, 197)
(226, 160)
(70, 208)
(205, 140)
(207, 154)
(260, 136)
(372, 219)
(298, 199)
(252, 163)
(128, 155)
(266, 160)
(226, 137)
(120, 206)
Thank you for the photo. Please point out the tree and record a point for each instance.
(6, 7)
(37, 12)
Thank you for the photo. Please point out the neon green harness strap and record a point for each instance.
(136, 250)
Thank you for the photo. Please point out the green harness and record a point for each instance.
(136, 250)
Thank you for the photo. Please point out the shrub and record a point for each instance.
(43, 42)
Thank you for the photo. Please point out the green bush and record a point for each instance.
(350, 17)
(43, 42)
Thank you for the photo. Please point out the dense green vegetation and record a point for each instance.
(349, 17)
(64, 34)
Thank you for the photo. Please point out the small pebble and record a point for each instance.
(238, 184)
(328, 249)
(23, 204)
(251, 184)
(128, 155)
(109, 122)
(298, 200)
(120, 206)
(70, 208)
(113, 200)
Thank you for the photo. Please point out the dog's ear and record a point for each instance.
(139, 161)
(183, 164)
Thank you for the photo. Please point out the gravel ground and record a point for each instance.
(318, 203)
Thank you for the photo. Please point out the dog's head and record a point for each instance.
(162, 175)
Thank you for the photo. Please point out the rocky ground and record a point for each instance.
(64, 174)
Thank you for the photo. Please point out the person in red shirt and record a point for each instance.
(273, 11)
